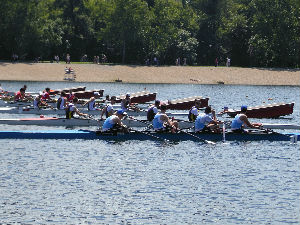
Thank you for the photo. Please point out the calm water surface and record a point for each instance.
(147, 182)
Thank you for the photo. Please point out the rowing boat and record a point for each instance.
(48, 111)
(134, 135)
(53, 121)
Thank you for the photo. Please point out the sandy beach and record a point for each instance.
(145, 74)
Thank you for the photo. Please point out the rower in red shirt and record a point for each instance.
(70, 96)
(46, 95)
(20, 95)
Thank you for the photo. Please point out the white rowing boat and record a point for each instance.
(48, 111)
(54, 121)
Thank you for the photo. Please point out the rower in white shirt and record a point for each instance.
(207, 121)
(92, 102)
(108, 110)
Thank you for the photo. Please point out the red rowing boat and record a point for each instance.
(187, 103)
(266, 111)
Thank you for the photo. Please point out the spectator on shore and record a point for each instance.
(68, 59)
(56, 58)
(184, 61)
(216, 62)
(228, 62)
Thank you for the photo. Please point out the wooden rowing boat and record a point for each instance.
(87, 134)
(186, 103)
(266, 111)
(139, 97)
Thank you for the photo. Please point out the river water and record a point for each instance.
(148, 182)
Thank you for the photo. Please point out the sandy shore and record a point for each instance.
(144, 74)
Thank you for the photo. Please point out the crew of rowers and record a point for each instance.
(156, 114)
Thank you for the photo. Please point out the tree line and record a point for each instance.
(264, 33)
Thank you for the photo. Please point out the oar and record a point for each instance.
(198, 138)
(141, 121)
(150, 135)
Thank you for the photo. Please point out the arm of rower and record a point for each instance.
(103, 111)
(87, 102)
(117, 121)
(246, 121)
(80, 113)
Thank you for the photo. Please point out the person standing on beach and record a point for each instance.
(68, 59)
(216, 62)
(227, 62)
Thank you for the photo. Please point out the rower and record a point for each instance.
(70, 96)
(126, 102)
(207, 121)
(193, 113)
(62, 101)
(46, 94)
(71, 109)
(153, 110)
(114, 122)
(92, 102)
(38, 102)
(161, 121)
(20, 95)
(240, 120)
(108, 109)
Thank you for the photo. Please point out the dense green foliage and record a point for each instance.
(250, 32)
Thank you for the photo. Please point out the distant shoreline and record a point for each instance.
(150, 74)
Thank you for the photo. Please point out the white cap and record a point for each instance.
(96, 93)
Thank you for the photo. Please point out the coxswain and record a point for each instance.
(108, 110)
(20, 95)
(194, 111)
(46, 94)
(114, 122)
(207, 121)
(62, 101)
(153, 110)
(126, 102)
(240, 120)
(71, 109)
(92, 102)
(161, 121)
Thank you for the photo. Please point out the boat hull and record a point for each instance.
(92, 135)
(53, 121)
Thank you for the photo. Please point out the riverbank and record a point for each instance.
(145, 74)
